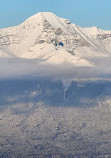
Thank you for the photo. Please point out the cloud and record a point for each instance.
(23, 68)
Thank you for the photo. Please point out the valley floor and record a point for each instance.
(37, 130)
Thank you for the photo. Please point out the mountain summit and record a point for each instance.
(55, 40)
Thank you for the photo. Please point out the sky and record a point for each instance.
(86, 13)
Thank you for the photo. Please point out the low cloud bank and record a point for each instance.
(23, 68)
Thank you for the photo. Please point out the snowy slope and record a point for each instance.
(36, 37)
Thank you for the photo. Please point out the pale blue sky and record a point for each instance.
(85, 13)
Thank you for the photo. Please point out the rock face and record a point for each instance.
(35, 39)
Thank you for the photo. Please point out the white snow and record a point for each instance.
(34, 39)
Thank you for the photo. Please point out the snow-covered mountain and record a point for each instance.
(55, 40)
(55, 90)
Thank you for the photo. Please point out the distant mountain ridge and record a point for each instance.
(40, 35)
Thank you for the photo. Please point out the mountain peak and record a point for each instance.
(54, 39)
(42, 17)
(46, 13)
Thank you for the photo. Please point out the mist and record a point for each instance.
(24, 68)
